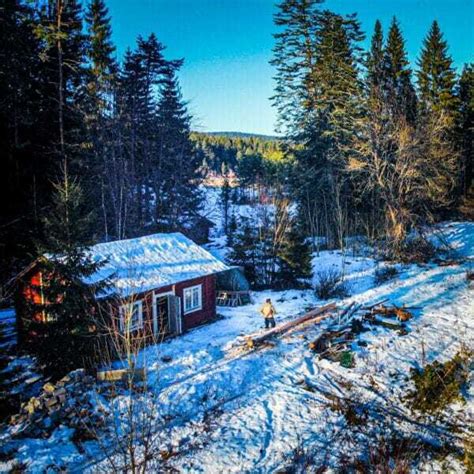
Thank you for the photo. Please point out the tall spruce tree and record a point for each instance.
(225, 197)
(70, 305)
(294, 58)
(377, 128)
(100, 54)
(64, 45)
(175, 176)
(328, 136)
(376, 73)
(25, 135)
(294, 258)
(141, 74)
(436, 76)
(466, 126)
(399, 88)
(99, 115)
(439, 105)
(244, 252)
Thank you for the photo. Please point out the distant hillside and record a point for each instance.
(216, 150)
(241, 135)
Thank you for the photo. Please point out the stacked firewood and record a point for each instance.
(67, 402)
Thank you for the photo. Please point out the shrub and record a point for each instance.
(330, 285)
(416, 250)
(390, 455)
(438, 385)
(384, 274)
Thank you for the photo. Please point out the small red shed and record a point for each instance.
(164, 283)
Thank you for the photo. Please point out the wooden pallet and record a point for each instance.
(232, 298)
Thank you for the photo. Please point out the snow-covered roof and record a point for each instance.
(151, 262)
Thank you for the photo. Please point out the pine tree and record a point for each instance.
(330, 133)
(64, 46)
(294, 257)
(175, 178)
(141, 74)
(244, 251)
(25, 135)
(294, 58)
(436, 76)
(466, 126)
(401, 94)
(225, 197)
(100, 51)
(69, 300)
(232, 230)
(376, 69)
(100, 89)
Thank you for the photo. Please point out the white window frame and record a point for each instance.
(191, 289)
(126, 307)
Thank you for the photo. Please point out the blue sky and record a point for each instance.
(227, 45)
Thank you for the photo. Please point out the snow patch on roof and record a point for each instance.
(153, 261)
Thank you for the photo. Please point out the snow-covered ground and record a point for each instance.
(213, 210)
(234, 410)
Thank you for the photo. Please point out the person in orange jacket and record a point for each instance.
(268, 311)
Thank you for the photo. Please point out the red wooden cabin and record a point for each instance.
(161, 285)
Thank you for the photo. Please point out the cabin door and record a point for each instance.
(166, 315)
(161, 315)
(175, 319)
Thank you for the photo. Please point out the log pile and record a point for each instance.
(312, 317)
(336, 343)
(67, 402)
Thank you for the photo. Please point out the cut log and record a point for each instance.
(314, 315)
(120, 374)
(402, 314)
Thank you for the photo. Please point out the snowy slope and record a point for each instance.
(236, 411)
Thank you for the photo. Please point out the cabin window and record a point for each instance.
(192, 299)
(131, 316)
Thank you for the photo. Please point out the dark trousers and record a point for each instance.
(270, 323)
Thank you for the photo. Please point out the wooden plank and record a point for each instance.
(314, 315)
(138, 374)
